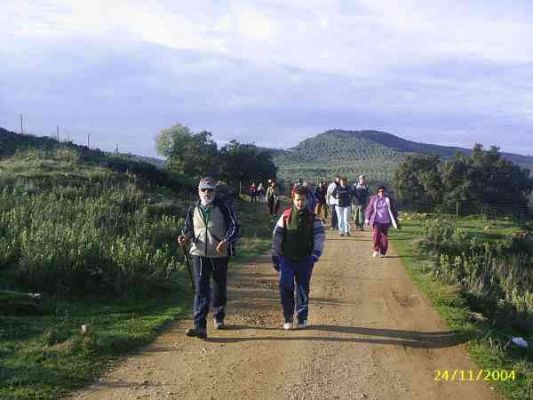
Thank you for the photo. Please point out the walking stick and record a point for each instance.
(188, 264)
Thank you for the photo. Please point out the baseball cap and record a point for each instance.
(207, 183)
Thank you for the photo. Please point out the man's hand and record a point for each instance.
(221, 247)
(276, 267)
(183, 240)
(367, 222)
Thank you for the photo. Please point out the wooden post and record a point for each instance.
(457, 208)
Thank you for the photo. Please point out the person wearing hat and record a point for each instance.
(380, 214)
(212, 229)
(360, 197)
(273, 199)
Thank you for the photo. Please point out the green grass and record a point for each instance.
(488, 345)
(45, 355)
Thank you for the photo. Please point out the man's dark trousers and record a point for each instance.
(334, 222)
(204, 267)
(289, 272)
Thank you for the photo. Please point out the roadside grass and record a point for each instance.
(44, 354)
(488, 345)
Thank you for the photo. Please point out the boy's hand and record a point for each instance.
(221, 247)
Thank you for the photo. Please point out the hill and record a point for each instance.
(373, 153)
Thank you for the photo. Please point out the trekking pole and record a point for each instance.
(188, 264)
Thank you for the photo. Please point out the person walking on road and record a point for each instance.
(321, 207)
(260, 193)
(360, 196)
(343, 193)
(297, 244)
(212, 229)
(381, 213)
(253, 193)
(331, 200)
(273, 200)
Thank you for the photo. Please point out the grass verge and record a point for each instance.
(44, 355)
(488, 346)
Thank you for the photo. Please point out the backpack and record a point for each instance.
(286, 215)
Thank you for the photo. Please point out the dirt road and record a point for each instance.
(372, 335)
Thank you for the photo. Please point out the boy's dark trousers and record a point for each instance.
(204, 267)
(291, 271)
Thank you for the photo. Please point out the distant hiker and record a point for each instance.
(381, 213)
(273, 200)
(260, 193)
(297, 244)
(212, 229)
(331, 201)
(312, 200)
(343, 194)
(360, 197)
(321, 206)
(253, 192)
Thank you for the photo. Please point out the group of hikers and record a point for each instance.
(211, 229)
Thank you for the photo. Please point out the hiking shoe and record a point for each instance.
(381, 255)
(287, 326)
(219, 324)
(301, 324)
(375, 254)
(348, 234)
(197, 332)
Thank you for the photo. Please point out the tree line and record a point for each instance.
(197, 154)
(463, 184)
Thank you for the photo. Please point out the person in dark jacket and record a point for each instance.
(212, 229)
(321, 207)
(297, 244)
(360, 197)
(343, 193)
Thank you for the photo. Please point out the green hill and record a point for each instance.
(351, 153)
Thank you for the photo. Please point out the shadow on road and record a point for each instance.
(428, 340)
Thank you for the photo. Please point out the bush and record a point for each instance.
(94, 238)
(496, 275)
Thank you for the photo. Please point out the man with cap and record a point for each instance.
(212, 229)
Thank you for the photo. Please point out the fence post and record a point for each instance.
(457, 208)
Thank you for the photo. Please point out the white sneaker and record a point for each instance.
(302, 325)
(287, 326)
(375, 254)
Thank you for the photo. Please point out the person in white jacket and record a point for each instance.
(332, 202)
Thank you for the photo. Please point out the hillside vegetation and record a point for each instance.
(351, 153)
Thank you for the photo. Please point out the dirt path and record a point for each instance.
(372, 335)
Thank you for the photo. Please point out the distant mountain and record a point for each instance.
(351, 153)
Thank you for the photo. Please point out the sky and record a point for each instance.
(269, 72)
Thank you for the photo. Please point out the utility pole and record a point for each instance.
(21, 124)
(89, 140)
(57, 132)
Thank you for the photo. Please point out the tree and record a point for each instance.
(172, 143)
(194, 154)
(245, 163)
(417, 181)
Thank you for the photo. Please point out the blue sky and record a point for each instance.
(269, 72)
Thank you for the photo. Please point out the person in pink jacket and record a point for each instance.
(380, 214)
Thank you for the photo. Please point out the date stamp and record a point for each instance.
(470, 375)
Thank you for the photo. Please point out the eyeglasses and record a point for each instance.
(206, 190)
